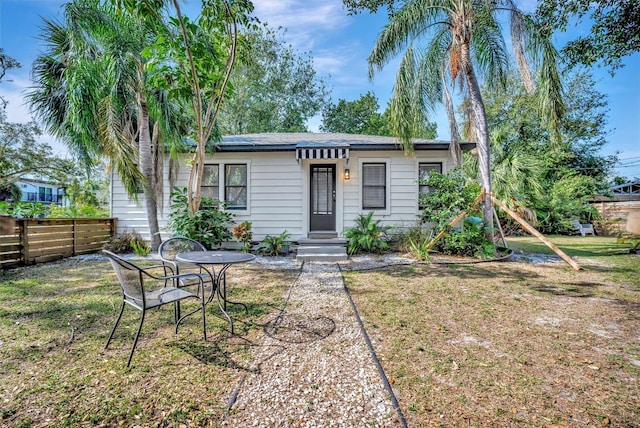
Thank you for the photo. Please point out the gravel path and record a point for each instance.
(313, 368)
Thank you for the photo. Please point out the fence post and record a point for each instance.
(23, 230)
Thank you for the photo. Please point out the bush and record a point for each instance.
(368, 236)
(450, 195)
(209, 226)
(126, 243)
(272, 245)
(242, 232)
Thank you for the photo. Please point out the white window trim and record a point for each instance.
(221, 182)
(445, 169)
(387, 162)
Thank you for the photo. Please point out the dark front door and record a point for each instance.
(323, 197)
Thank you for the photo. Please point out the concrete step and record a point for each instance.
(322, 250)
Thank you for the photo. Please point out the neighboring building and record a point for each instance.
(620, 210)
(310, 184)
(34, 190)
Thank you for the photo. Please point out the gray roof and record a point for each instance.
(292, 141)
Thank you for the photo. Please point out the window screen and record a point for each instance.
(210, 186)
(374, 186)
(423, 173)
(235, 186)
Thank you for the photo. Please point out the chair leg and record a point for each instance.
(113, 330)
(204, 320)
(135, 341)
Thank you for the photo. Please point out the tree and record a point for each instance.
(6, 63)
(21, 154)
(614, 34)
(361, 117)
(92, 91)
(462, 43)
(548, 181)
(193, 61)
(275, 89)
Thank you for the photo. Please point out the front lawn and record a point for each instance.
(489, 344)
(511, 344)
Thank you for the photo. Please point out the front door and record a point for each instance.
(323, 198)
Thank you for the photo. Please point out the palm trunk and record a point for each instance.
(146, 167)
(482, 136)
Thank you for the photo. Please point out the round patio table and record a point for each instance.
(209, 260)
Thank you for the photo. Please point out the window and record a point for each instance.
(374, 186)
(235, 186)
(423, 172)
(46, 194)
(210, 185)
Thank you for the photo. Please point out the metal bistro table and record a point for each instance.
(222, 259)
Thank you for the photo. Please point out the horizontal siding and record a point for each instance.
(276, 193)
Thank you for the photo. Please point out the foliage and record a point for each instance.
(272, 245)
(22, 209)
(209, 225)
(125, 242)
(448, 45)
(537, 174)
(22, 154)
(630, 239)
(242, 232)
(449, 194)
(6, 63)
(368, 236)
(192, 60)
(420, 248)
(467, 241)
(565, 198)
(275, 88)
(140, 248)
(614, 33)
(78, 210)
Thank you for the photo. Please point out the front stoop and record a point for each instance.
(322, 250)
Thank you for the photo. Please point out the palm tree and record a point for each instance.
(449, 43)
(91, 91)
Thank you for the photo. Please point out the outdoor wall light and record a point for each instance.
(346, 174)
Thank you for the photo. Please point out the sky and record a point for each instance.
(339, 45)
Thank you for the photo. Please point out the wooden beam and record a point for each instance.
(537, 234)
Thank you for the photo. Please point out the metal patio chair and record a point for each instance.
(180, 244)
(143, 290)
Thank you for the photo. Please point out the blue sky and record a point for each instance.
(339, 45)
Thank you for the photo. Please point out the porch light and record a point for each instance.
(346, 174)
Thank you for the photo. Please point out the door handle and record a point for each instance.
(334, 195)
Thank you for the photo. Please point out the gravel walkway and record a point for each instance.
(314, 368)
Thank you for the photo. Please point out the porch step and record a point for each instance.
(322, 250)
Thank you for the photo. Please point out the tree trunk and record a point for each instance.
(146, 167)
(482, 136)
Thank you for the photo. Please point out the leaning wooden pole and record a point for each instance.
(537, 234)
(455, 220)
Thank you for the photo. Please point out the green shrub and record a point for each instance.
(368, 236)
(272, 245)
(449, 195)
(140, 248)
(210, 225)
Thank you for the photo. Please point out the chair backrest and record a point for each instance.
(179, 244)
(129, 276)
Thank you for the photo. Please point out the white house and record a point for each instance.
(310, 184)
(35, 190)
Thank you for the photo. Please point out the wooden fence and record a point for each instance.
(30, 241)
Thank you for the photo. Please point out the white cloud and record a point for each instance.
(305, 21)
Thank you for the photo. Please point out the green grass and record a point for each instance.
(55, 319)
